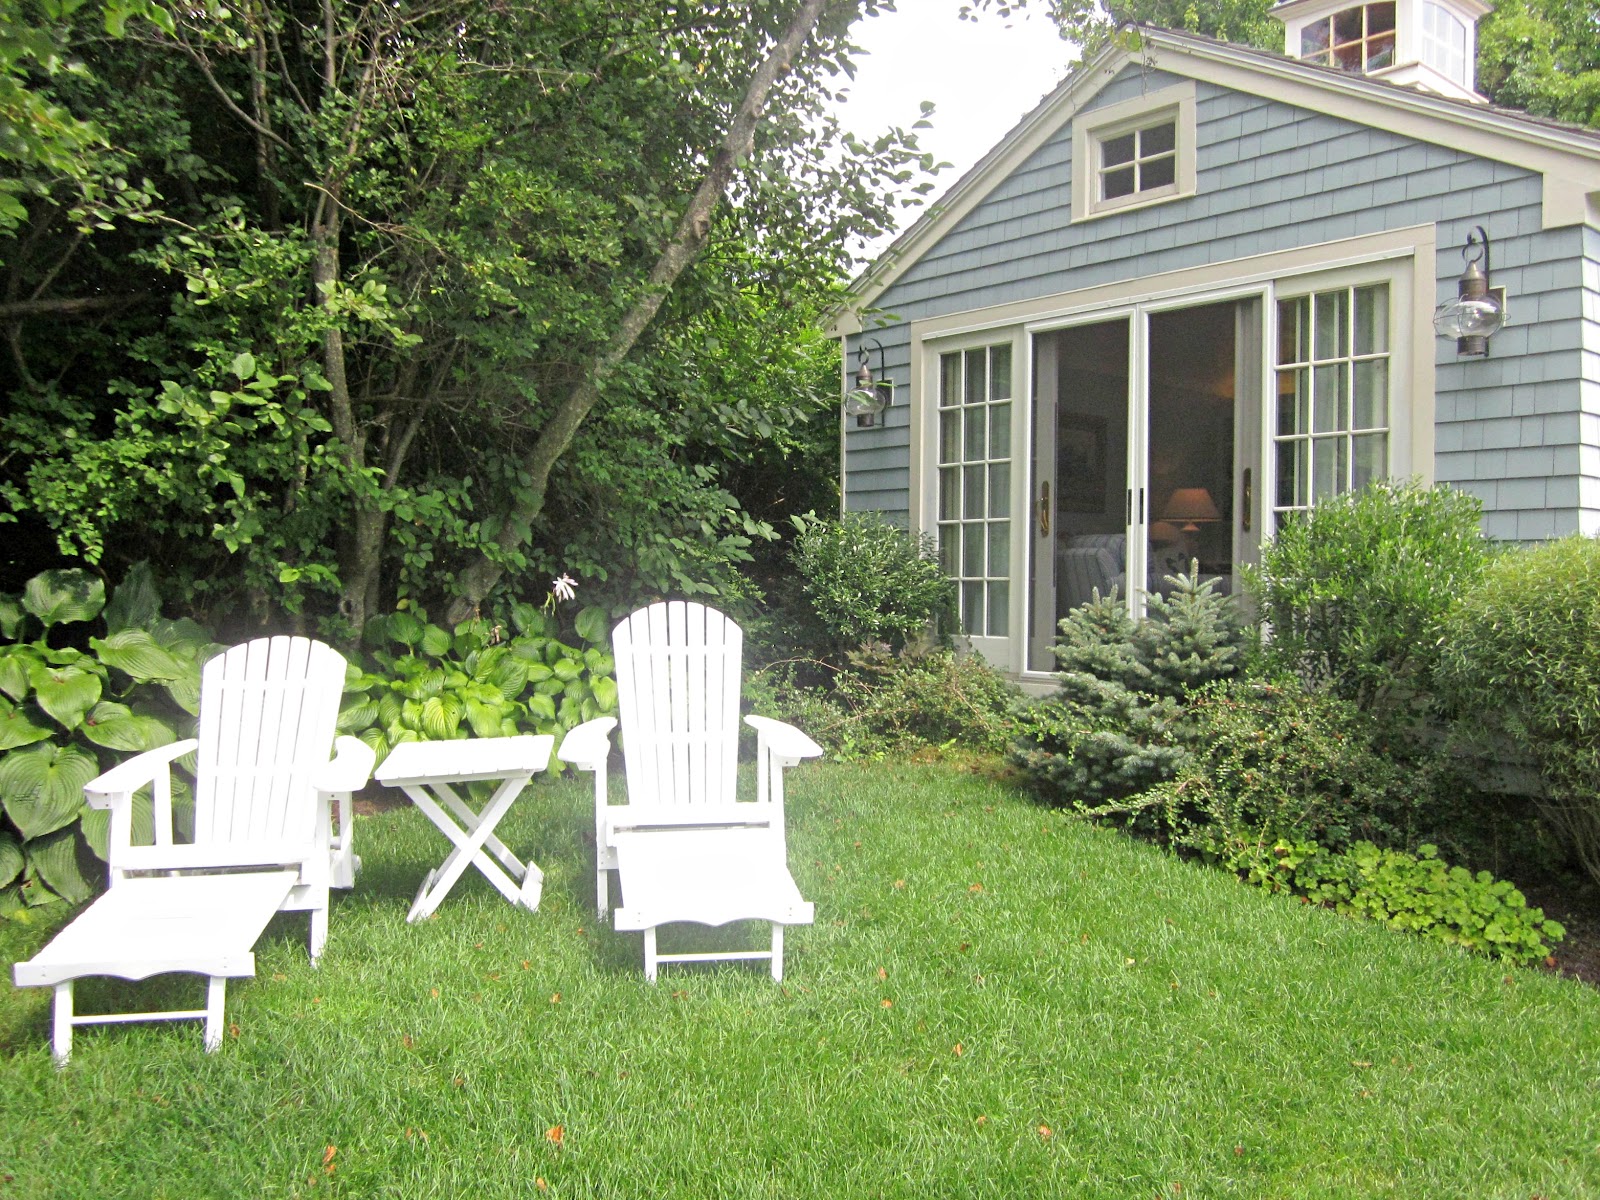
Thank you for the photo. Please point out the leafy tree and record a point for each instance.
(1090, 23)
(437, 278)
(1542, 56)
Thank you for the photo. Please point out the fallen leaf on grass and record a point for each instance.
(982, 1121)
(1237, 1151)
(555, 997)
(1045, 1132)
(405, 1040)
(459, 1081)
(434, 992)
(279, 977)
(327, 1159)
(555, 1134)
(882, 974)
(233, 1029)
(1357, 1062)
(886, 1002)
(899, 883)
(526, 964)
(538, 1182)
(977, 887)
(957, 1050)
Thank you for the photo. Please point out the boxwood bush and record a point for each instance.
(1521, 658)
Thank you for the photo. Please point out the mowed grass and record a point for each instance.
(995, 1000)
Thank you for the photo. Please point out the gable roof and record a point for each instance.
(1567, 156)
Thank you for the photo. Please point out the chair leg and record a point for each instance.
(650, 954)
(216, 997)
(602, 891)
(61, 1032)
(777, 952)
(319, 930)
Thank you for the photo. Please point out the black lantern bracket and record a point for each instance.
(1478, 311)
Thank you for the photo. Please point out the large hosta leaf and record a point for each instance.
(11, 859)
(593, 624)
(59, 596)
(118, 727)
(441, 716)
(96, 822)
(357, 715)
(485, 718)
(58, 858)
(605, 694)
(41, 787)
(66, 693)
(11, 614)
(15, 728)
(136, 653)
(136, 603)
(15, 663)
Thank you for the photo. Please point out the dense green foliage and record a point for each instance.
(379, 252)
(1522, 661)
(1270, 762)
(881, 703)
(1100, 1020)
(1415, 892)
(1116, 726)
(481, 680)
(1356, 591)
(69, 711)
(869, 581)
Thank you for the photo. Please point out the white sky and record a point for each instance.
(983, 75)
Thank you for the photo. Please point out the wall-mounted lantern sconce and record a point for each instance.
(1479, 310)
(872, 393)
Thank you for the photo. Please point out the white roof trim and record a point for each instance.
(1568, 158)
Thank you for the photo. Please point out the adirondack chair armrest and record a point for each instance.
(348, 770)
(783, 740)
(126, 778)
(587, 746)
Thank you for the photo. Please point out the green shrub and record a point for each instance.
(1115, 727)
(1522, 659)
(1279, 762)
(1417, 892)
(869, 581)
(68, 713)
(482, 680)
(882, 702)
(1356, 591)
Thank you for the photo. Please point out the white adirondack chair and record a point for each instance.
(265, 791)
(684, 847)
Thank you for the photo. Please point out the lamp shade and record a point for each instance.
(1190, 506)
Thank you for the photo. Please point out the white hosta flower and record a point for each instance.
(564, 588)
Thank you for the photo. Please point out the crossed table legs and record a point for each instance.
(421, 768)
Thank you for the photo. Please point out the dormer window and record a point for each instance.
(1444, 43)
(1359, 39)
(1141, 160)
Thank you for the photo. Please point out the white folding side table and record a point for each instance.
(428, 771)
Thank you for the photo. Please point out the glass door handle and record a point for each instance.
(1044, 509)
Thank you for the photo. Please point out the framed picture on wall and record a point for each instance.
(1081, 463)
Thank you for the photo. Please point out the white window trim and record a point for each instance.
(1092, 128)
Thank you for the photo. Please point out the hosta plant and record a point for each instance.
(72, 704)
(426, 683)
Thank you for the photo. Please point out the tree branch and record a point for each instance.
(687, 241)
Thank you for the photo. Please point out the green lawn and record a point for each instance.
(995, 1001)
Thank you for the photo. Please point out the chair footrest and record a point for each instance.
(709, 877)
(206, 924)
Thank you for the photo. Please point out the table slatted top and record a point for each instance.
(465, 759)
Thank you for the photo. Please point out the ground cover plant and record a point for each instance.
(996, 999)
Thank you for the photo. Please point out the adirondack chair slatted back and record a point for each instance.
(678, 667)
(268, 710)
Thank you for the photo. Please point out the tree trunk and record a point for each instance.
(685, 245)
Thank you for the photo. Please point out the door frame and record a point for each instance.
(1405, 256)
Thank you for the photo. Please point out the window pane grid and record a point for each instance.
(975, 485)
(1357, 39)
(1333, 394)
(1139, 161)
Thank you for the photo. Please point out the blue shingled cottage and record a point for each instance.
(1195, 290)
